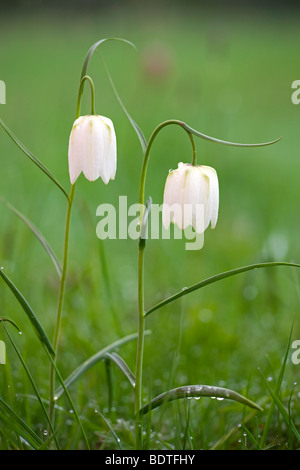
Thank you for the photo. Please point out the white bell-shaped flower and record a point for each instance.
(92, 149)
(191, 197)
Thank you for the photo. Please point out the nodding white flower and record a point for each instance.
(92, 149)
(191, 197)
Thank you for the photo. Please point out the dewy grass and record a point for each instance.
(80, 301)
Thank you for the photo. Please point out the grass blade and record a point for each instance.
(224, 142)
(236, 429)
(276, 391)
(69, 398)
(32, 157)
(117, 439)
(29, 312)
(11, 322)
(122, 366)
(290, 424)
(135, 126)
(196, 391)
(251, 437)
(14, 422)
(92, 49)
(100, 355)
(38, 235)
(38, 396)
(95, 46)
(216, 278)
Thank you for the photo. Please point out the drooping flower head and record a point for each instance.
(187, 189)
(92, 149)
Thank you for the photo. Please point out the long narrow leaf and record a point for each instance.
(119, 361)
(290, 424)
(236, 429)
(118, 440)
(224, 142)
(29, 312)
(37, 393)
(6, 319)
(16, 423)
(135, 126)
(216, 278)
(197, 391)
(251, 437)
(52, 360)
(38, 235)
(94, 47)
(276, 391)
(32, 157)
(100, 355)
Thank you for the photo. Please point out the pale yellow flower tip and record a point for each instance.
(191, 197)
(92, 149)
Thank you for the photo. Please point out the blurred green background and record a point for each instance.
(226, 72)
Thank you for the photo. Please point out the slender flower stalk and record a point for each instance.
(57, 329)
(60, 303)
(141, 307)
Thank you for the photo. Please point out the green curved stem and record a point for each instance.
(80, 91)
(194, 159)
(95, 46)
(147, 154)
(216, 278)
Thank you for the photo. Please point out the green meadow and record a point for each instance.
(228, 75)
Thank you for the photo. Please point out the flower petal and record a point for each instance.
(92, 149)
(109, 166)
(76, 150)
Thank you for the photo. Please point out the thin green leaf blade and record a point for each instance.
(16, 423)
(100, 355)
(224, 142)
(117, 439)
(95, 46)
(216, 278)
(276, 391)
(74, 410)
(92, 49)
(38, 235)
(197, 391)
(29, 312)
(9, 320)
(135, 126)
(282, 409)
(35, 388)
(119, 361)
(33, 158)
